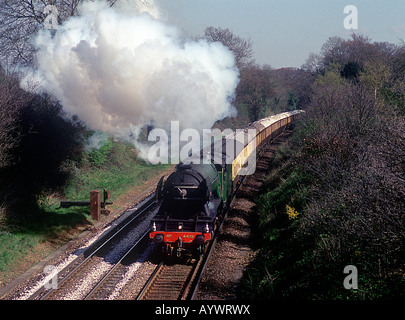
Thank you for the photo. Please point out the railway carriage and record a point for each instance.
(196, 195)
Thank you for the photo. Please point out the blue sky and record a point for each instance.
(284, 32)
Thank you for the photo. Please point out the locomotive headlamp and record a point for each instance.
(154, 226)
(180, 226)
(207, 228)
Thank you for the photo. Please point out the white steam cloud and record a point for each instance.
(120, 70)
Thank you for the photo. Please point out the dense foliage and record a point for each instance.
(38, 138)
(336, 194)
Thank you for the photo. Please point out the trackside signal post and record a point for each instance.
(95, 204)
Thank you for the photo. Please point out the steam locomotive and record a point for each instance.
(196, 195)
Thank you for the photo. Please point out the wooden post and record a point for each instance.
(95, 204)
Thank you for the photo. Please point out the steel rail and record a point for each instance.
(149, 281)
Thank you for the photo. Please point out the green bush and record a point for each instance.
(98, 157)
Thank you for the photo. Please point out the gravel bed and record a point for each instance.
(32, 285)
(231, 255)
(135, 277)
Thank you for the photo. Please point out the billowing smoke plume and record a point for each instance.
(120, 70)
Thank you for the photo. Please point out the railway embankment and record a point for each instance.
(328, 223)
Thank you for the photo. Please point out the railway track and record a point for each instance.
(168, 282)
(105, 287)
(174, 281)
(179, 281)
(104, 257)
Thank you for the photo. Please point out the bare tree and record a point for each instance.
(241, 48)
(22, 19)
(255, 89)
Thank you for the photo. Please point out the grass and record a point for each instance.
(13, 246)
(115, 167)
